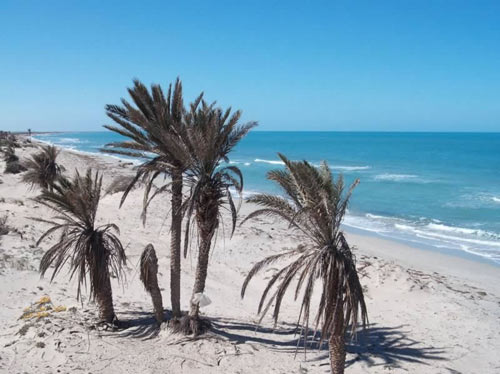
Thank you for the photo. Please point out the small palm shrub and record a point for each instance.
(149, 278)
(91, 251)
(42, 168)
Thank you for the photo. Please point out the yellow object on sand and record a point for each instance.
(42, 308)
(44, 300)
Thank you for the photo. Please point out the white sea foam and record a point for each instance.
(349, 168)
(474, 200)
(458, 230)
(430, 232)
(273, 162)
(395, 177)
(236, 162)
(333, 167)
(70, 140)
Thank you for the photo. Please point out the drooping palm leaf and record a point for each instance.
(314, 204)
(88, 249)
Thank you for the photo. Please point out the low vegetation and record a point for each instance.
(4, 228)
(12, 163)
(43, 169)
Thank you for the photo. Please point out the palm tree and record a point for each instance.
(314, 204)
(153, 128)
(89, 249)
(43, 170)
(149, 278)
(211, 135)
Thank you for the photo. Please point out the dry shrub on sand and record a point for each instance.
(14, 167)
(4, 228)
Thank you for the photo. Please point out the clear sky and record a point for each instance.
(292, 65)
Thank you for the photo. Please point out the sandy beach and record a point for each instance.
(429, 312)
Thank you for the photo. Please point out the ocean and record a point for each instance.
(438, 191)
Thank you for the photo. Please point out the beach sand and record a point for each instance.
(429, 312)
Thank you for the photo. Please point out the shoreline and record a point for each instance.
(417, 245)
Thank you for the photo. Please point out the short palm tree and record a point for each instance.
(153, 127)
(43, 170)
(211, 136)
(149, 278)
(89, 250)
(314, 204)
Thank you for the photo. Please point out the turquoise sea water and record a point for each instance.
(435, 190)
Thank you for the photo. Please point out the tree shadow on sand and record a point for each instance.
(140, 325)
(390, 346)
(387, 346)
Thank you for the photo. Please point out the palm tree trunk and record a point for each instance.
(149, 278)
(336, 345)
(104, 297)
(175, 244)
(157, 300)
(201, 271)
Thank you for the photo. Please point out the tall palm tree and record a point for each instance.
(90, 250)
(314, 204)
(149, 278)
(211, 136)
(43, 170)
(153, 128)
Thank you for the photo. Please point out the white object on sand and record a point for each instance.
(201, 299)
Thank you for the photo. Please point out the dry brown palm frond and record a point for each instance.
(120, 184)
(148, 266)
(149, 278)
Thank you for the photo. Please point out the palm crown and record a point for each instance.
(211, 136)
(153, 126)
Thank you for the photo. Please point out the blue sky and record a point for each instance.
(334, 65)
